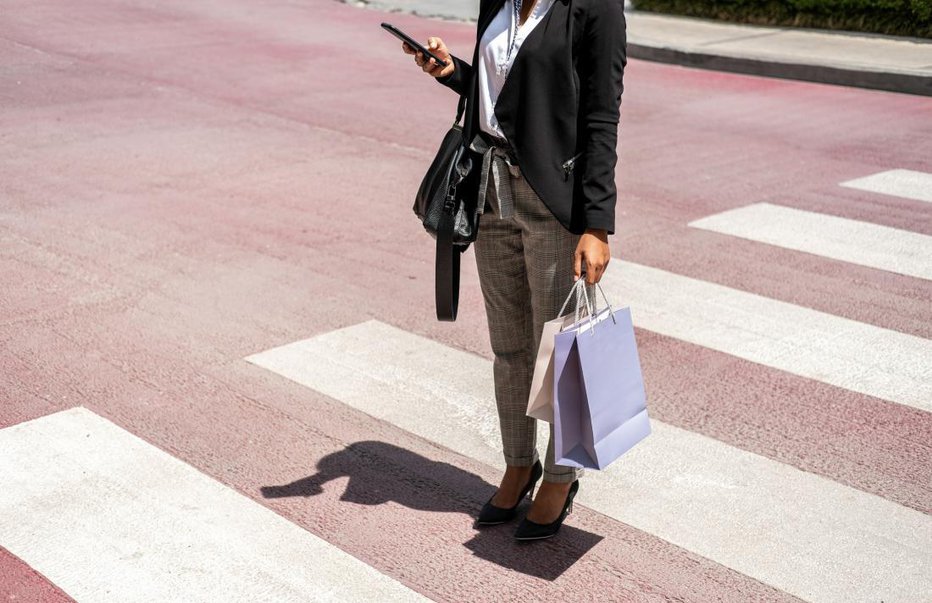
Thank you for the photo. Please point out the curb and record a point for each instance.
(660, 51)
(824, 74)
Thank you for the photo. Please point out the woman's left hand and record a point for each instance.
(593, 250)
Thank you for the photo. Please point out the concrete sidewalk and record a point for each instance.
(845, 58)
(850, 59)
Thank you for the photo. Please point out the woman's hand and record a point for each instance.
(592, 249)
(430, 66)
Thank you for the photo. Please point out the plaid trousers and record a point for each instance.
(525, 262)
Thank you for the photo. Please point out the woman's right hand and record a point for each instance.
(428, 65)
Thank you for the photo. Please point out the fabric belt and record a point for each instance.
(494, 141)
(499, 164)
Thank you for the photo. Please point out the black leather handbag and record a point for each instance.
(447, 205)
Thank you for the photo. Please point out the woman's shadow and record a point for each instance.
(379, 472)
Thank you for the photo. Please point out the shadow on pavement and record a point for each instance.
(379, 472)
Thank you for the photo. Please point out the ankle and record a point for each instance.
(515, 480)
(517, 473)
(556, 487)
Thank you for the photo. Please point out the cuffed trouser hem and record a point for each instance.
(522, 461)
(564, 477)
(558, 474)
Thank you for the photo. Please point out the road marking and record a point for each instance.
(899, 183)
(107, 517)
(863, 243)
(860, 357)
(802, 533)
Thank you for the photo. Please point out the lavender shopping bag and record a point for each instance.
(600, 407)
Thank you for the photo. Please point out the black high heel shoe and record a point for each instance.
(529, 530)
(490, 515)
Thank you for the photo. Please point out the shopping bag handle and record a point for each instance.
(573, 289)
(611, 311)
(595, 310)
(580, 290)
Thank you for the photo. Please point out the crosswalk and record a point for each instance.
(785, 526)
(908, 184)
(108, 517)
(765, 519)
(860, 357)
(170, 532)
(872, 245)
(849, 354)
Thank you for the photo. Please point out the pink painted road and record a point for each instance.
(183, 185)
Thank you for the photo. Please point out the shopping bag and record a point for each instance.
(599, 402)
(540, 400)
(540, 397)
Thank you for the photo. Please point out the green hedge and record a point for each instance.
(897, 17)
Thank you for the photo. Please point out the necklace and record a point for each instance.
(502, 67)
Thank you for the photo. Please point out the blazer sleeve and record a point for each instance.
(460, 78)
(601, 66)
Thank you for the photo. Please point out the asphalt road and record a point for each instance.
(185, 186)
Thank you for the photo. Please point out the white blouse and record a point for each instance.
(495, 61)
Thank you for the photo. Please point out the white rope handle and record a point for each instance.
(591, 310)
(580, 291)
(567, 300)
(611, 311)
(582, 294)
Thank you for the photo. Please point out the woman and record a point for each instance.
(544, 91)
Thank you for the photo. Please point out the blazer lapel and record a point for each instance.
(486, 18)
(538, 36)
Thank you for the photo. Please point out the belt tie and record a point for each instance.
(499, 165)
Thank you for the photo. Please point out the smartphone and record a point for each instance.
(412, 43)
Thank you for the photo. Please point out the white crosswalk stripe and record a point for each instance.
(853, 241)
(908, 184)
(799, 532)
(143, 526)
(842, 352)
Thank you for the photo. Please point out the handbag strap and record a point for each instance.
(448, 255)
(447, 270)
(460, 109)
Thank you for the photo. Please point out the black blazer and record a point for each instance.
(559, 106)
